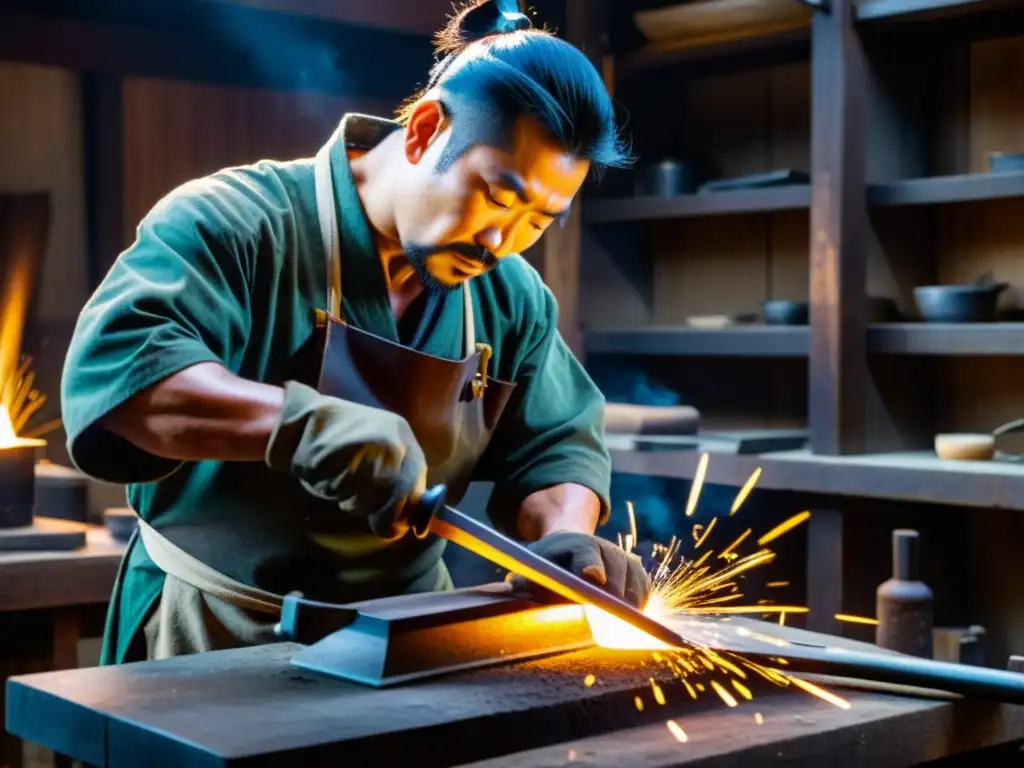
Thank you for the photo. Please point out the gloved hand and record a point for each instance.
(620, 573)
(366, 459)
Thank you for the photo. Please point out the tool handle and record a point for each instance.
(422, 510)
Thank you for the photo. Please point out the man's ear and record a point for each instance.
(426, 122)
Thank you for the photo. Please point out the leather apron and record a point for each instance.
(453, 407)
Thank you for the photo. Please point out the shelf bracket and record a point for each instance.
(817, 5)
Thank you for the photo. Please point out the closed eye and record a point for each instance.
(495, 201)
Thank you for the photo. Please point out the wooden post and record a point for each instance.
(103, 139)
(825, 570)
(838, 270)
(586, 28)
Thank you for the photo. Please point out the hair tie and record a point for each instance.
(510, 18)
(493, 17)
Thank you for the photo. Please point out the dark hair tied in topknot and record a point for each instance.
(479, 20)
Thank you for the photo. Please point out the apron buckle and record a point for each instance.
(480, 377)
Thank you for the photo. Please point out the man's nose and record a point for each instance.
(491, 239)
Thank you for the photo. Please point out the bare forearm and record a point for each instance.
(204, 412)
(565, 507)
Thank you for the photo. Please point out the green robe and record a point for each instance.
(230, 269)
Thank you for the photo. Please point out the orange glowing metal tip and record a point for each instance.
(698, 482)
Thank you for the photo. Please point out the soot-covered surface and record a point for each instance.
(251, 707)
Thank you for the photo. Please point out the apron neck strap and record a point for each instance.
(327, 213)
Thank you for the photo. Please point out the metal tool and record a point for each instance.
(433, 515)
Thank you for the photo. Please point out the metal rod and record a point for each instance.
(486, 542)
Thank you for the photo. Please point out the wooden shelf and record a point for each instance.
(919, 477)
(936, 339)
(947, 189)
(744, 341)
(924, 10)
(750, 52)
(648, 208)
(953, 339)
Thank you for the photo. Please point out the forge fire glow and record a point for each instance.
(686, 590)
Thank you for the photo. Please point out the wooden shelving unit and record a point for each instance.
(753, 341)
(906, 476)
(893, 107)
(879, 11)
(649, 208)
(922, 339)
(940, 190)
(942, 339)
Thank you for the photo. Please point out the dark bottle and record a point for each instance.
(903, 604)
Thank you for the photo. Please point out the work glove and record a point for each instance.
(592, 558)
(365, 459)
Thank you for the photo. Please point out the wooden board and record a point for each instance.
(198, 710)
(880, 730)
(904, 476)
(44, 534)
(51, 579)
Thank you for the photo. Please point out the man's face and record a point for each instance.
(456, 224)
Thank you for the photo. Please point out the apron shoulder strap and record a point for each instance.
(328, 216)
(469, 332)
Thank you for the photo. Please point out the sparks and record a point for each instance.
(744, 492)
(821, 693)
(723, 694)
(698, 483)
(856, 619)
(676, 731)
(707, 532)
(659, 695)
(589, 680)
(707, 585)
(784, 527)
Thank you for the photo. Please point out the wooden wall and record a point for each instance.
(175, 131)
(978, 238)
(419, 16)
(41, 149)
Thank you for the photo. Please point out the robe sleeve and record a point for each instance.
(552, 430)
(178, 296)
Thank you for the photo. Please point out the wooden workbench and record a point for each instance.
(43, 599)
(251, 707)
